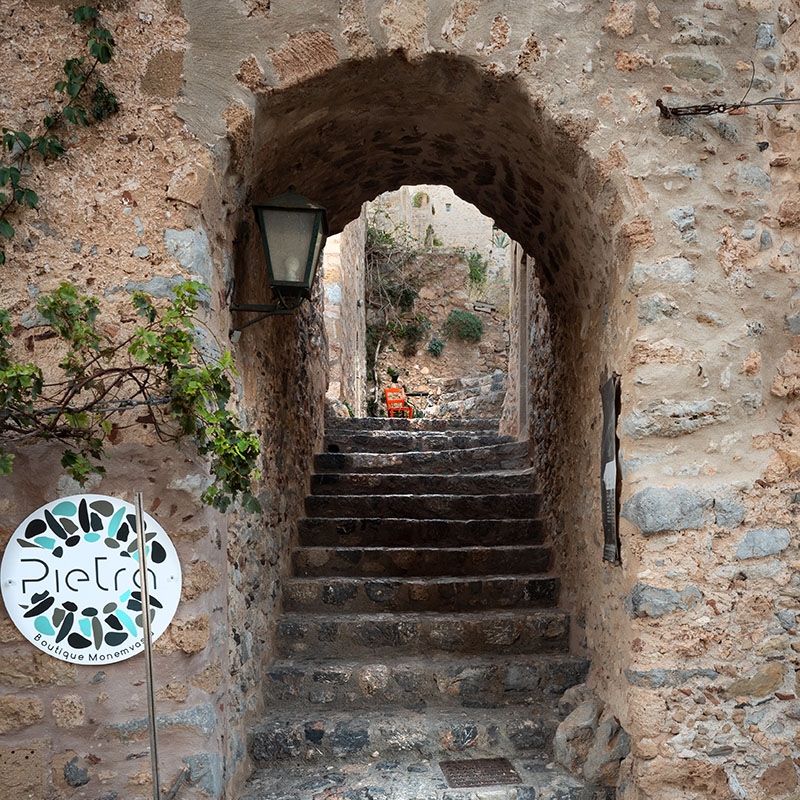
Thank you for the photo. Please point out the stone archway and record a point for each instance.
(368, 126)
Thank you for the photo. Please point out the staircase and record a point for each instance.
(420, 623)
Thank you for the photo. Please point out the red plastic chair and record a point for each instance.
(396, 403)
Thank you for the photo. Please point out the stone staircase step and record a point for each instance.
(405, 777)
(409, 441)
(417, 683)
(435, 734)
(393, 483)
(425, 506)
(360, 424)
(333, 635)
(511, 455)
(420, 561)
(318, 595)
(375, 532)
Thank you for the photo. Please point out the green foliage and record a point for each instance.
(392, 373)
(410, 332)
(478, 267)
(463, 325)
(435, 346)
(79, 108)
(437, 242)
(419, 199)
(102, 380)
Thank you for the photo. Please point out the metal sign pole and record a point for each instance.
(148, 646)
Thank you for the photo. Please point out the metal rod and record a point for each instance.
(148, 647)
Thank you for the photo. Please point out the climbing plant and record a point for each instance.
(154, 374)
(84, 99)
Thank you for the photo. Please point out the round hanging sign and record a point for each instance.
(70, 579)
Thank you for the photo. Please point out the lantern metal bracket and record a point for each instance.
(265, 311)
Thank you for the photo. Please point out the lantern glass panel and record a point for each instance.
(289, 235)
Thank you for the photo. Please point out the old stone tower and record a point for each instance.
(662, 249)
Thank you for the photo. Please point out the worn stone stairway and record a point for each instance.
(419, 625)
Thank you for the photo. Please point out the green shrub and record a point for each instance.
(464, 325)
(435, 346)
(478, 266)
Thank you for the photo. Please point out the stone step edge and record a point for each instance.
(429, 579)
(489, 614)
(422, 549)
(435, 660)
(420, 495)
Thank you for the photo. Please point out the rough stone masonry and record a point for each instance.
(665, 250)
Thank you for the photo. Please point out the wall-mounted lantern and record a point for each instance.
(293, 232)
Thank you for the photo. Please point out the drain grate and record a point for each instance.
(479, 772)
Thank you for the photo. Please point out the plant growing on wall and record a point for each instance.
(85, 99)
(154, 373)
(463, 325)
(478, 267)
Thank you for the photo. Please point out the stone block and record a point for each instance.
(191, 250)
(728, 513)
(29, 669)
(19, 712)
(763, 542)
(206, 773)
(25, 770)
(68, 711)
(764, 680)
(611, 744)
(651, 601)
(575, 735)
(675, 418)
(658, 509)
(693, 67)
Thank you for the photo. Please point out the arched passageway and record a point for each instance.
(366, 127)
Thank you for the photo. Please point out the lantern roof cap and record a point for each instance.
(290, 199)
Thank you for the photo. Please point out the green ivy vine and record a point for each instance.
(154, 374)
(86, 99)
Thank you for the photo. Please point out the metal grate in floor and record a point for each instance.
(479, 772)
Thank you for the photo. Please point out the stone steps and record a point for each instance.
(390, 531)
(407, 778)
(360, 424)
(395, 483)
(511, 455)
(383, 441)
(418, 622)
(419, 561)
(366, 635)
(385, 734)
(425, 506)
(354, 594)
(416, 683)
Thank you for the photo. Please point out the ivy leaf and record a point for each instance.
(84, 14)
(6, 229)
(31, 198)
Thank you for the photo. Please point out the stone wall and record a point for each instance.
(140, 202)
(438, 214)
(666, 249)
(345, 322)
